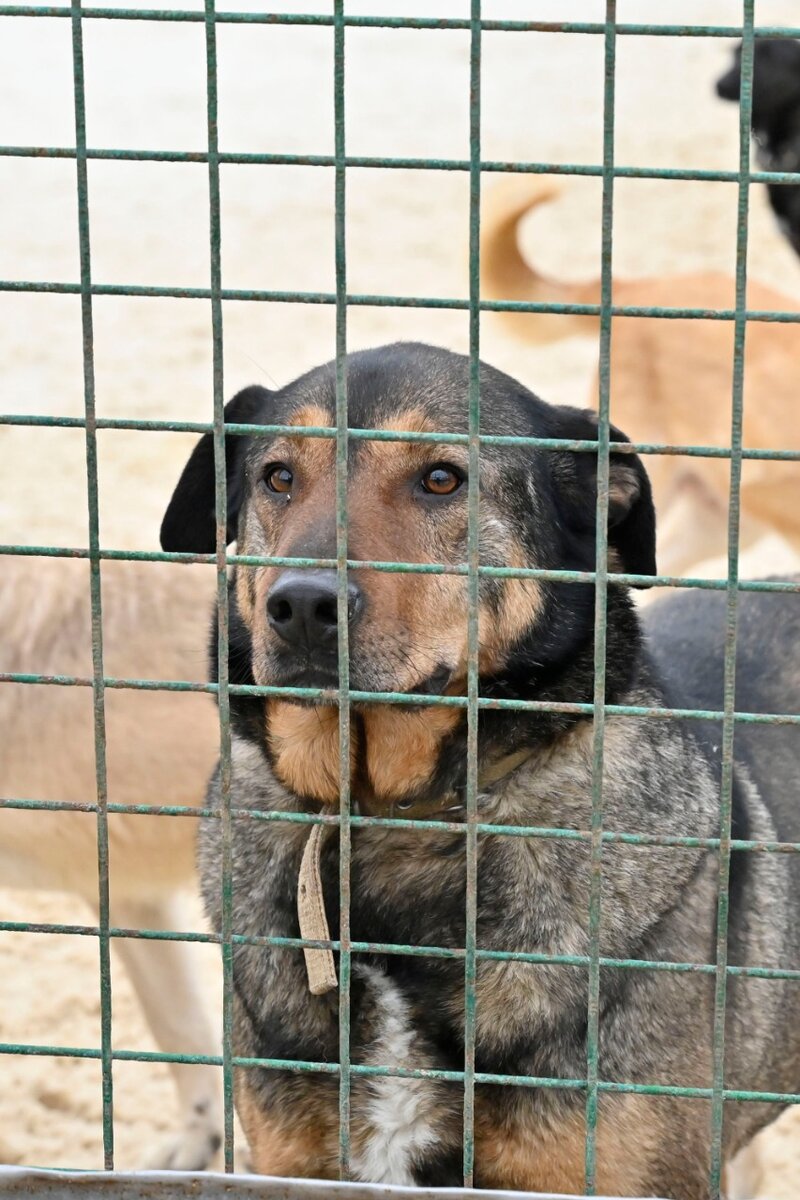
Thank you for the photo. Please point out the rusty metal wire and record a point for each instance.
(346, 820)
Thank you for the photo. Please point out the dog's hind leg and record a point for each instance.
(744, 1175)
(163, 976)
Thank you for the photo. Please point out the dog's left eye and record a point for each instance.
(278, 478)
(442, 480)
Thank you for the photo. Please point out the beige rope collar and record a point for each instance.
(320, 967)
(313, 919)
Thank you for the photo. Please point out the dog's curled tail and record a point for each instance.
(506, 275)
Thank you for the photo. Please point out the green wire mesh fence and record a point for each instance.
(592, 1084)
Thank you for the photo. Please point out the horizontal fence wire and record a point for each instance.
(332, 696)
(359, 821)
(407, 951)
(390, 435)
(393, 566)
(374, 162)
(777, 316)
(348, 817)
(301, 1067)
(395, 22)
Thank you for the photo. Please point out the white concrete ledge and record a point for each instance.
(19, 1182)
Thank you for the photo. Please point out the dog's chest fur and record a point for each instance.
(409, 888)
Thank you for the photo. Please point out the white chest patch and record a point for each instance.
(396, 1112)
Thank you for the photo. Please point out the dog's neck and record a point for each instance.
(398, 778)
(393, 753)
(415, 759)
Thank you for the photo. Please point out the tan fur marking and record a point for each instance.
(402, 747)
(316, 456)
(410, 420)
(312, 457)
(287, 1147)
(245, 593)
(520, 606)
(305, 744)
(420, 621)
(391, 458)
(311, 415)
(531, 1156)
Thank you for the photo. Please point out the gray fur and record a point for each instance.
(658, 903)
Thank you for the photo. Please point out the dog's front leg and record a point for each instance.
(163, 976)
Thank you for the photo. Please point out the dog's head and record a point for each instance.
(407, 501)
(776, 80)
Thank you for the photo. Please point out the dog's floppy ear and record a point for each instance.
(190, 522)
(631, 515)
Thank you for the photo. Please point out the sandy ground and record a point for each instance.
(407, 94)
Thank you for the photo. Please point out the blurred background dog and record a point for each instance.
(672, 381)
(775, 120)
(160, 749)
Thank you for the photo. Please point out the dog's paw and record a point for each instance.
(192, 1150)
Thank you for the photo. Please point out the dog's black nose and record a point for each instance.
(302, 607)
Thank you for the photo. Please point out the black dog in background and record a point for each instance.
(775, 120)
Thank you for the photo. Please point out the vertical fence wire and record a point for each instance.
(600, 600)
(98, 684)
(717, 1094)
(732, 596)
(345, 837)
(221, 508)
(473, 582)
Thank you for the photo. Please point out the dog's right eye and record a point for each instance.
(278, 478)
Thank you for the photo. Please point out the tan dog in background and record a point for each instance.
(671, 383)
(161, 748)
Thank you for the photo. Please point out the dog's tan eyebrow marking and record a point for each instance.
(410, 420)
(413, 454)
(312, 454)
(309, 416)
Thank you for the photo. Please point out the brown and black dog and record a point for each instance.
(407, 501)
